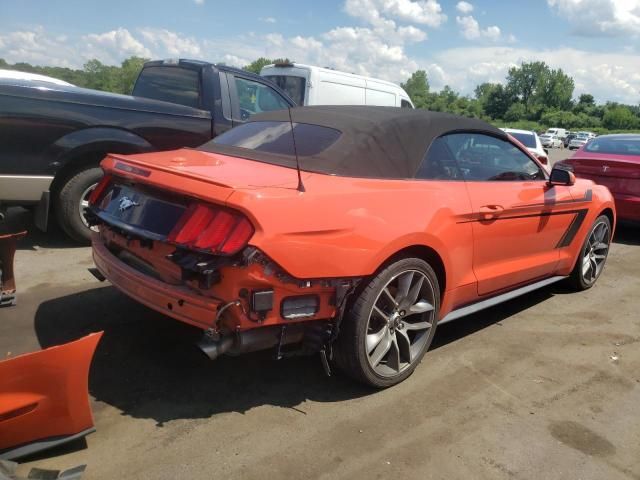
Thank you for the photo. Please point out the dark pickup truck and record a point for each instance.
(53, 137)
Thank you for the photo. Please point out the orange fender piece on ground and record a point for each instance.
(7, 280)
(44, 398)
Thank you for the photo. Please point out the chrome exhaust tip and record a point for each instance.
(214, 348)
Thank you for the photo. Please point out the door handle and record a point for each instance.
(490, 211)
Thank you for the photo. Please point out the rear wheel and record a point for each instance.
(390, 324)
(73, 200)
(593, 255)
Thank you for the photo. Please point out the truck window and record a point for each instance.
(294, 86)
(255, 97)
(405, 104)
(169, 84)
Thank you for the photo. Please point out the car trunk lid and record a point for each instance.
(620, 173)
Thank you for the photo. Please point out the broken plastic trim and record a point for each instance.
(8, 245)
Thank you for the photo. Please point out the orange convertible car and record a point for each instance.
(352, 231)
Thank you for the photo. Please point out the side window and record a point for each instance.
(405, 104)
(485, 158)
(255, 97)
(439, 163)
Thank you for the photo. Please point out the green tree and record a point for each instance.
(554, 89)
(498, 100)
(619, 118)
(257, 65)
(417, 87)
(524, 81)
(129, 71)
(516, 111)
(587, 100)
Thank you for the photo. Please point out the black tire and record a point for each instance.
(350, 351)
(67, 203)
(578, 280)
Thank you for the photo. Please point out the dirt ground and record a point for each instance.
(543, 387)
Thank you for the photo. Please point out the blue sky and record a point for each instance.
(458, 43)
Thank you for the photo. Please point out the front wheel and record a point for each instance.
(390, 324)
(72, 202)
(593, 255)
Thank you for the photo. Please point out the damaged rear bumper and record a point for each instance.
(174, 301)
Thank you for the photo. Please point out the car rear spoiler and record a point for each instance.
(8, 245)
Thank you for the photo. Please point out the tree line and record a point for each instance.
(533, 96)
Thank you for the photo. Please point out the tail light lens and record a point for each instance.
(99, 190)
(543, 159)
(213, 229)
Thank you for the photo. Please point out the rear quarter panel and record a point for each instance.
(344, 227)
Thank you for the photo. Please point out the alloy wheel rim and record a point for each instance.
(595, 252)
(400, 323)
(84, 205)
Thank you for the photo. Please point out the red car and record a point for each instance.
(351, 231)
(613, 161)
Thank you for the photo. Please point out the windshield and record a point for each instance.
(616, 146)
(294, 86)
(527, 139)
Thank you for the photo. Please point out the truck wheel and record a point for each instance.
(72, 201)
(593, 255)
(390, 324)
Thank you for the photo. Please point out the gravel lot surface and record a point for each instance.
(543, 387)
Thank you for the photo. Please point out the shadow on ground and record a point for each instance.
(19, 219)
(147, 365)
(627, 234)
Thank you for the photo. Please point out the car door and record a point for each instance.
(518, 220)
(250, 96)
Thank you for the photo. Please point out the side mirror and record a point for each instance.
(546, 150)
(561, 176)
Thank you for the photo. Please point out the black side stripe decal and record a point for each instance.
(588, 196)
(571, 232)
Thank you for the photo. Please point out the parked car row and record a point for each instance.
(580, 139)
(531, 141)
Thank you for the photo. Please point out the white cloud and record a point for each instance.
(171, 43)
(607, 76)
(198, 2)
(600, 17)
(424, 12)
(377, 48)
(470, 29)
(114, 45)
(464, 7)
(267, 19)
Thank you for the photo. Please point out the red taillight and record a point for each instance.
(543, 159)
(210, 228)
(99, 190)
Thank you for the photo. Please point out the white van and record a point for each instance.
(310, 85)
(561, 133)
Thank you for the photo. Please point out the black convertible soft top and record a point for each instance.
(376, 142)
